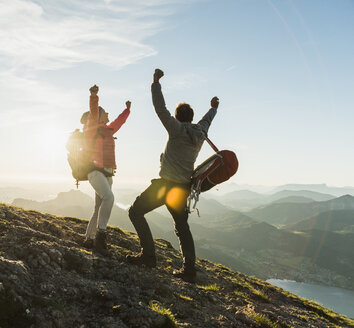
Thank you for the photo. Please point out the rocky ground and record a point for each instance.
(47, 279)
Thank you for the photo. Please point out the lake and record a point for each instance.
(338, 299)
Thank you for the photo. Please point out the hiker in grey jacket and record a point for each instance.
(173, 187)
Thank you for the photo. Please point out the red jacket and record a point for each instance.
(103, 153)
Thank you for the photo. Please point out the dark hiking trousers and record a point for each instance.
(174, 196)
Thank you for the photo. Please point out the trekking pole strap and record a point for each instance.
(211, 144)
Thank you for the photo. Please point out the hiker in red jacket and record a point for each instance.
(100, 134)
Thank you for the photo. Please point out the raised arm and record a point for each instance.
(94, 114)
(209, 116)
(121, 119)
(169, 122)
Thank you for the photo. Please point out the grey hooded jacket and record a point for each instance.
(184, 140)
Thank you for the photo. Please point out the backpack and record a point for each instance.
(216, 169)
(79, 157)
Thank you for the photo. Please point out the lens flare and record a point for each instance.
(176, 198)
(161, 193)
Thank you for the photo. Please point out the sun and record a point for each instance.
(49, 145)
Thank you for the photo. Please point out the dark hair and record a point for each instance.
(85, 115)
(100, 111)
(184, 112)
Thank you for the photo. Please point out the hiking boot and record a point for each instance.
(142, 259)
(189, 275)
(88, 243)
(100, 242)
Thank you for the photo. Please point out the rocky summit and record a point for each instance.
(47, 279)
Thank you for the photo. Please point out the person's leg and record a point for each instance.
(177, 207)
(151, 198)
(185, 237)
(92, 225)
(102, 185)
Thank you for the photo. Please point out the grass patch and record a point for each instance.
(264, 321)
(247, 287)
(85, 251)
(240, 294)
(212, 287)
(171, 321)
(260, 295)
(184, 297)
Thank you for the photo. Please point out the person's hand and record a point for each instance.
(214, 102)
(158, 75)
(94, 90)
(128, 104)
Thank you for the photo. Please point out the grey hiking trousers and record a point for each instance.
(104, 200)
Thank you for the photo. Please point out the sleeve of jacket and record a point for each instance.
(169, 122)
(120, 120)
(207, 119)
(90, 126)
(93, 116)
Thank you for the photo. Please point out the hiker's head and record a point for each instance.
(184, 113)
(102, 115)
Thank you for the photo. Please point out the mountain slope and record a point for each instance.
(48, 280)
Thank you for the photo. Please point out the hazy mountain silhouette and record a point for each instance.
(294, 199)
(287, 213)
(8, 194)
(321, 188)
(246, 200)
(334, 220)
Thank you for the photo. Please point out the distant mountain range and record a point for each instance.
(321, 188)
(281, 214)
(7, 194)
(244, 200)
(334, 220)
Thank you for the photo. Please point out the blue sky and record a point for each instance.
(283, 71)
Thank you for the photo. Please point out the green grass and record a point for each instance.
(184, 297)
(212, 287)
(264, 321)
(247, 287)
(171, 321)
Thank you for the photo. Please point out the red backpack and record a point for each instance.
(217, 169)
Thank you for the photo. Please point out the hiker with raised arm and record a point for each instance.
(99, 135)
(173, 187)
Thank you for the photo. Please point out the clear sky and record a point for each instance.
(283, 70)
